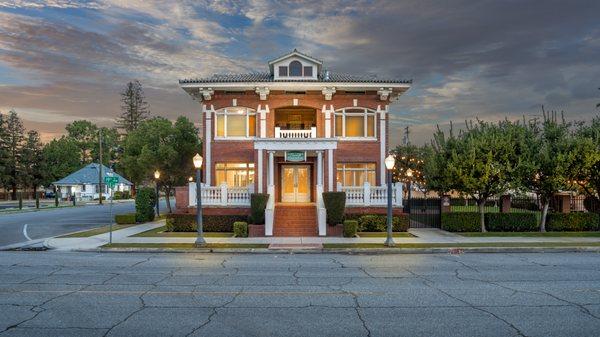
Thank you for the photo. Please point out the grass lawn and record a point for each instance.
(186, 245)
(95, 231)
(160, 232)
(464, 245)
(531, 234)
(384, 234)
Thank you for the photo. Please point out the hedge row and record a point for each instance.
(520, 222)
(125, 219)
(210, 223)
(145, 200)
(378, 223)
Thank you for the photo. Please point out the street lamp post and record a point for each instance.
(198, 165)
(390, 162)
(409, 174)
(156, 177)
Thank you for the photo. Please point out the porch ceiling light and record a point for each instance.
(156, 174)
(197, 161)
(390, 161)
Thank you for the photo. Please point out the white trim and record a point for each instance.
(234, 102)
(295, 102)
(208, 140)
(291, 85)
(282, 144)
(330, 170)
(259, 171)
(382, 145)
(328, 112)
(355, 102)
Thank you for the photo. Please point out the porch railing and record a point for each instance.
(367, 195)
(221, 195)
(296, 134)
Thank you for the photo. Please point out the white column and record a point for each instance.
(262, 114)
(320, 168)
(328, 111)
(269, 211)
(330, 170)
(398, 194)
(208, 141)
(382, 144)
(321, 211)
(259, 170)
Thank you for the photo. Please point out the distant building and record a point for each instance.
(83, 184)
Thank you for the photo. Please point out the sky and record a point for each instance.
(64, 60)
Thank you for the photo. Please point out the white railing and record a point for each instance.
(296, 134)
(368, 195)
(221, 195)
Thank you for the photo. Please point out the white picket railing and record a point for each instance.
(368, 195)
(221, 195)
(296, 134)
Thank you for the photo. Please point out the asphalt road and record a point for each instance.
(53, 222)
(135, 294)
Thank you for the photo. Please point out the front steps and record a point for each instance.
(295, 220)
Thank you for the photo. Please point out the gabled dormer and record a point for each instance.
(295, 66)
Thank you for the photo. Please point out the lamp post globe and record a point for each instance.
(197, 160)
(156, 177)
(390, 162)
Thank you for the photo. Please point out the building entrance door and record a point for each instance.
(295, 183)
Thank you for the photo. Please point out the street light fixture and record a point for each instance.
(156, 177)
(198, 165)
(390, 162)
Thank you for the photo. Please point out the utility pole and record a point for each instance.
(100, 175)
(406, 140)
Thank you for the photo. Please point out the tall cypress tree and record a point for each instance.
(32, 161)
(14, 139)
(3, 151)
(134, 108)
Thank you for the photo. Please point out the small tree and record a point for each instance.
(85, 134)
(61, 158)
(33, 168)
(134, 108)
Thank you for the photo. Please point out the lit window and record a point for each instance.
(235, 174)
(295, 68)
(283, 71)
(355, 174)
(235, 122)
(355, 122)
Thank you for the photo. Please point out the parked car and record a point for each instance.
(49, 194)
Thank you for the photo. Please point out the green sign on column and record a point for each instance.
(295, 156)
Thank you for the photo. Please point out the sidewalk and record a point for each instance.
(422, 236)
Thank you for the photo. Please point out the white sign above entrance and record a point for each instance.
(295, 156)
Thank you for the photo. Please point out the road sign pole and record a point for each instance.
(111, 215)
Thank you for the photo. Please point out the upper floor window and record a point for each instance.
(308, 71)
(283, 71)
(355, 174)
(235, 122)
(295, 68)
(355, 122)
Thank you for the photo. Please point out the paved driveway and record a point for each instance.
(52, 222)
(133, 294)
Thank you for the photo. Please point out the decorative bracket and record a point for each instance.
(384, 93)
(262, 92)
(328, 92)
(206, 93)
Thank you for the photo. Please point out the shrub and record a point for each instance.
(350, 228)
(258, 203)
(125, 219)
(335, 204)
(526, 204)
(240, 229)
(511, 222)
(120, 195)
(461, 222)
(178, 222)
(572, 222)
(378, 223)
(145, 201)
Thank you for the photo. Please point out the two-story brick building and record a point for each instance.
(294, 132)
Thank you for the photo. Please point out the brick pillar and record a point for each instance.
(181, 199)
(445, 204)
(505, 204)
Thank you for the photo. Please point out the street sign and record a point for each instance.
(295, 156)
(111, 181)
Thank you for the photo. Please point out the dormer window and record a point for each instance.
(283, 71)
(295, 68)
(308, 71)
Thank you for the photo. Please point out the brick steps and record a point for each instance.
(290, 220)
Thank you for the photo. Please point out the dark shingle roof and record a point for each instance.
(89, 175)
(267, 77)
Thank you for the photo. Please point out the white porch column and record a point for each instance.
(399, 202)
(382, 144)
(321, 212)
(208, 142)
(328, 111)
(330, 170)
(259, 170)
(263, 119)
(270, 209)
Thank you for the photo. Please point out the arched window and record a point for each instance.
(355, 122)
(295, 68)
(235, 122)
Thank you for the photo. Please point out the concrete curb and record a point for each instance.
(352, 251)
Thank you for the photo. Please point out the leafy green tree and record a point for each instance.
(32, 162)
(61, 158)
(549, 152)
(484, 161)
(411, 157)
(14, 141)
(437, 177)
(85, 135)
(158, 144)
(134, 108)
(584, 166)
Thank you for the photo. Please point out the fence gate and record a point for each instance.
(424, 212)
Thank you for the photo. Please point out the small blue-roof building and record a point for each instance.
(83, 184)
